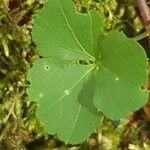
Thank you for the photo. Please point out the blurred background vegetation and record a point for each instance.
(19, 127)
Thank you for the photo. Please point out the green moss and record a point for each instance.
(17, 51)
(119, 14)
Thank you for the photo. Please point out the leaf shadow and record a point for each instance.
(86, 96)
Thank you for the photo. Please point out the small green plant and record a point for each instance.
(83, 72)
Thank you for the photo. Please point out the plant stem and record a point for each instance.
(142, 35)
(144, 12)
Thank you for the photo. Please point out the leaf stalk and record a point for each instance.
(142, 35)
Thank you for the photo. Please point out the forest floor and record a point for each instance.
(20, 129)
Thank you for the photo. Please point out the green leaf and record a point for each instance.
(62, 26)
(57, 87)
(82, 71)
(57, 32)
(121, 73)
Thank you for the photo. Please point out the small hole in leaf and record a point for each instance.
(41, 57)
(85, 62)
(47, 67)
(143, 88)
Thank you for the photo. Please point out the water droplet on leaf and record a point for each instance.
(41, 95)
(67, 92)
(116, 79)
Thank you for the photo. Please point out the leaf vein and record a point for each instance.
(91, 30)
(75, 121)
(51, 37)
(72, 32)
(71, 88)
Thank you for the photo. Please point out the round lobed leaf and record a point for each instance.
(83, 72)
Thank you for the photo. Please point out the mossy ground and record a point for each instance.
(19, 127)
